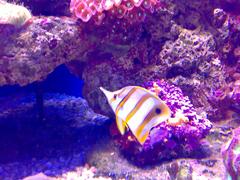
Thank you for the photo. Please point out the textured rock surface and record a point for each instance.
(168, 47)
(32, 52)
(194, 44)
(196, 50)
(55, 145)
(65, 141)
(74, 111)
(62, 152)
(231, 155)
(178, 136)
(189, 61)
(108, 160)
(187, 49)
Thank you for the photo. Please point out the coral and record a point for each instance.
(230, 92)
(229, 52)
(167, 45)
(231, 155)
(54, 146)
(13, 14)
(185, 57)
(209, 166)
(110, 162)
(132, 10)
(195, 66)
(74, 111)
(178, 136)
(34, 52)
(191, 44)
(237, 52)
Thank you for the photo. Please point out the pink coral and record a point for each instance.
(133, 10)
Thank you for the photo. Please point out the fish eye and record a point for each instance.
(115, 96)
(158, 111)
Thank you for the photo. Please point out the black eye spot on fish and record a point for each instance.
(115, 96)
(158, 111)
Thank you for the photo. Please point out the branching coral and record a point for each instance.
(132, 10)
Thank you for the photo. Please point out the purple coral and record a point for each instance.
(179, 136)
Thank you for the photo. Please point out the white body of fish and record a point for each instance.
(137, 109)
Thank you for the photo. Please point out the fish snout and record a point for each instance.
(107, 93)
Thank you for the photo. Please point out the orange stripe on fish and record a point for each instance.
(120, 123)
(146, 120)
(143, 138)
(142, 110)
(120, 105)
(137, 106)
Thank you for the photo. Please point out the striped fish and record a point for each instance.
(138, 109)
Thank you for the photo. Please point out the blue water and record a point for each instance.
(59, 81)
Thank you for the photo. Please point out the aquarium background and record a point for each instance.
(57, 123)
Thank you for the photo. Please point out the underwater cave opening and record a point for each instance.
(59, 81)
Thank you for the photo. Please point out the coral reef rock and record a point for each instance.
(189, 62)
(72, 110)
(178, 136)
(54, 145)
(61, 152)
(110, 162)
(231, 155)
(29, 54)
(197, 51)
